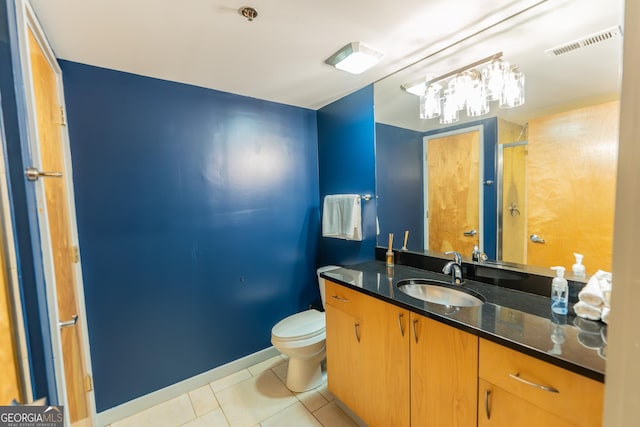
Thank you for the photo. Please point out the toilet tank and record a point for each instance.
(321, 280)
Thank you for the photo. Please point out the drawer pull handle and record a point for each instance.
(415, 332)
(400, 316)
(532, 384)
(357, 330)
(336, 297)
(487, 394)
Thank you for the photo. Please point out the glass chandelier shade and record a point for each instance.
(450, 110)
(513, 93)
(494, 76)
(477, 99)
(430, 102)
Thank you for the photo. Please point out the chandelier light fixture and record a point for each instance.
(469, 88)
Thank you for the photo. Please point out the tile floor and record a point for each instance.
(251, 397)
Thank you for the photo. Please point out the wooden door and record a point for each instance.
(453, 189)
(55, 212)
(571, 173)
(385, 358)
(499, 408)
(444, 374)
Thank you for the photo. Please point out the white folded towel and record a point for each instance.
(605, 279)
(605, 314)
(591, 293)
(342, 217)
(587, 311)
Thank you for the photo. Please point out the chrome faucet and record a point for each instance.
(454, 268)
(477, 255)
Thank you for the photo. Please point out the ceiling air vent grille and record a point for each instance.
(585, 41)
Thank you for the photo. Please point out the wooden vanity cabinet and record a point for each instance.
(516, 389)
(444, 374)
(368, 356)
(395, 368)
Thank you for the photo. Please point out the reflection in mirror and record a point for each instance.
(547, 168)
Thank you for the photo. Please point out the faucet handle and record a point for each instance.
(456, 256)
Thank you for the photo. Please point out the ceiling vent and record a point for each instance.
(592, 39)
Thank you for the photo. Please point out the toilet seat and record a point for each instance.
(301, 326)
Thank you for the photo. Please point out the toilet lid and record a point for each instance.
(306, 324)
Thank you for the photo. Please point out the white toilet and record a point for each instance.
(301, 336)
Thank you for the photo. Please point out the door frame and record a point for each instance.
(425, 176)
(27, 20)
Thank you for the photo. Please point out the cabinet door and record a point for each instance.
(499, 408)
(344, 357)
(444, 375)
(385, 343)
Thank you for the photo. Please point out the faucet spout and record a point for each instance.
(454, 268)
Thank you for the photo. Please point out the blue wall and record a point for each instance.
(346, 152)
(399, 182)
(198, 221)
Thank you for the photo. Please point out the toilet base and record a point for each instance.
(304, 375)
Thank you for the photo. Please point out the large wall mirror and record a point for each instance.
(530, 184)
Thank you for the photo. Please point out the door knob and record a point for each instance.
(536, 239)
(470, 233)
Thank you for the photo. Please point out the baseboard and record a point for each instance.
(356, 419)
(147, 401)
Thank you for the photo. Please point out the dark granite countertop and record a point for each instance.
(519, 320)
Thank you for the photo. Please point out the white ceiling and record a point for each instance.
(278, 57)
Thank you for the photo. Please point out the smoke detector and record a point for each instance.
(586, 41)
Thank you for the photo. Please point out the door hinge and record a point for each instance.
(75, 254)
(88, 383)
(63, 118)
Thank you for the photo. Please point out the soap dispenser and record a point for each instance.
(579, 269)
(559, 292)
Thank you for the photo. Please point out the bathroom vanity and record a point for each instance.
(395, 360)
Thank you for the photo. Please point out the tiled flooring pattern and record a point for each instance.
(254, 397)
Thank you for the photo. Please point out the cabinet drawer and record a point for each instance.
(570, 396)
(345, 299)
(497, 408)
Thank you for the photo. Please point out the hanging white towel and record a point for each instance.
(342, 217)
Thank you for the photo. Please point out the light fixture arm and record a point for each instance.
(477, 63)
